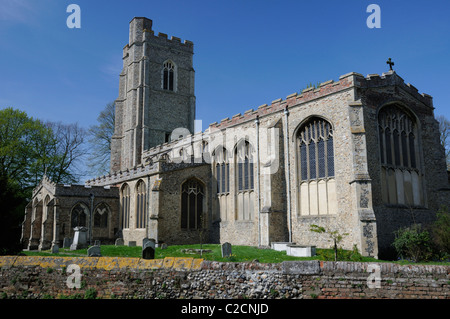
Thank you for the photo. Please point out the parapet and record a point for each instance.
(391, 78)
(141, 30)
(326, 88)
(346, 81)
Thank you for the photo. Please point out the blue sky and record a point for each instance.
(247, 52)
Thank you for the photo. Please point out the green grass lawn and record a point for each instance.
(239, 253)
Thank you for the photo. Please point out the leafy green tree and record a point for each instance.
(30, 148)
(12, 202)
(24, 142)
(334, 235)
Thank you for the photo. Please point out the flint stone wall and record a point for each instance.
(176, 278)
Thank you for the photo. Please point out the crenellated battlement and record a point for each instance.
(164, 37)
(141, 31)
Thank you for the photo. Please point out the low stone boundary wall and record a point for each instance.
(187, 278)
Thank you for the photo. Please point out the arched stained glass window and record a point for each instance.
(316, 183)
(400, 175)
(316, 150)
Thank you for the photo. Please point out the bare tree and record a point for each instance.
(444, 130)
(67, 152)
(100, 141)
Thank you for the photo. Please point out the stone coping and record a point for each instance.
(105, 263)
(198, 264)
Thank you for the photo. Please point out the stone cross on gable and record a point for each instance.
(390, 62)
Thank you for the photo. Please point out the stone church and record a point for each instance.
(360, 155)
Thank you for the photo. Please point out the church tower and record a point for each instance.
(156, 93)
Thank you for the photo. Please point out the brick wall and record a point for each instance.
(188, 278)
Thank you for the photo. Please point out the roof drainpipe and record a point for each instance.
(258, 188)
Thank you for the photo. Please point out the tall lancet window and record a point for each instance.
(169, 76)
(400, 173)
(222, 171)
(221, 167)
(125, 206)
(316, 168)
(192, 195)
(141, 205)
(244, 169)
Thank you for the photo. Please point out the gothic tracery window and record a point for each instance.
(78, 216)
(244, 172)
(141, 205)
(101, 216)
(192, 194)
(316, 168)
(244, 161)
(400, 174)
(316, 150)
(168, 76)
(222, 171)
(125, 206)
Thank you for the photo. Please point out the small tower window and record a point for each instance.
(169, 76)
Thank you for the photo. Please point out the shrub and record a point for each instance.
(335, 236)
(413, 243)
(90, 293)
(440, 232)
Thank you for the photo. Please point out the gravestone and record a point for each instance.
(148, 248)
(79, 239)
(132, 243)
(119, 242)
(97, 243)
(144, 241)
(226, 250)
(301, 251)
(94, 251)
(67, 242)
(163, 246)
(55, 249)
(280, 246)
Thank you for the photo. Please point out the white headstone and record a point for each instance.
(79, 239)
